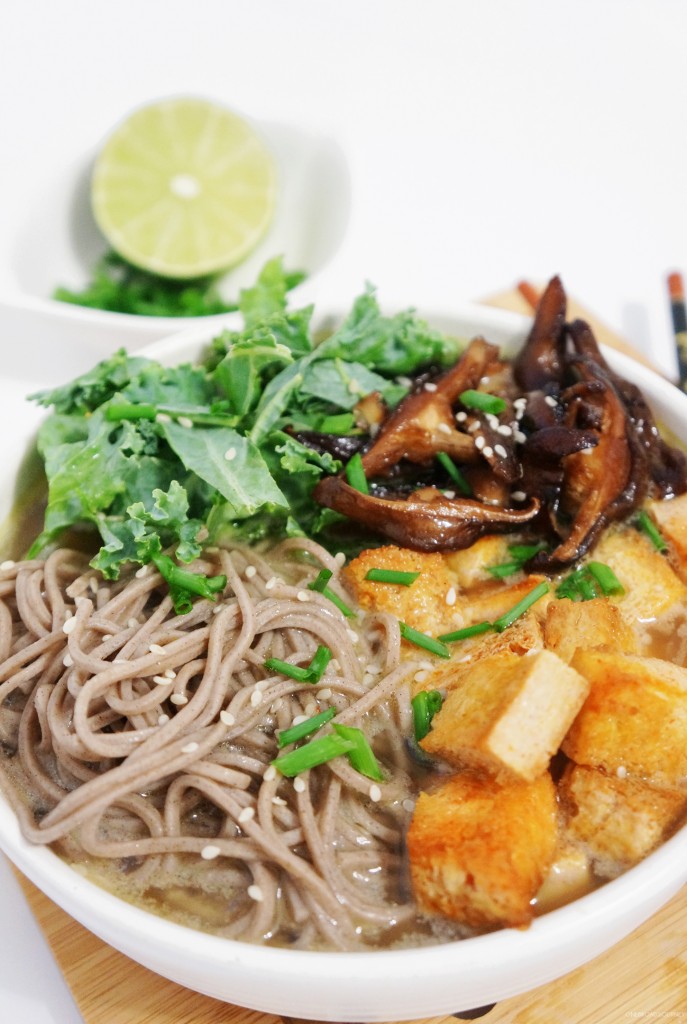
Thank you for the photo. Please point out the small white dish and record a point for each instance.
(374, 986)
(50, 238)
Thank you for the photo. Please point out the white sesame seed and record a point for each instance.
(271, 583)
(352, 636)
(461, 416)
(311, 708)
(324, 694)
(335, 665)
(586, 451)
(132, 623)
(518, 495)
(230, 454)
(179, 699)
(302, 595)
(251, 571)
(7, 564)
(184, 421)
(275, 705)
(226, 717)
(189, 748)
(299, 785)
(451, 596)
(162, 719)
(162, 417)
(69, 625)
(255, 699)
(408, 804)
(520, 437)
(368, 679)
(255, 893)
(444, 428)
(519, 403)
(67, 661)
(504, 429)
(621, 771)
(210, 852)
(298, 719)
(106, 636)
(160, 681)
(156, 649)
(375, 794)
(449, 494)
(479, 442)
(169, 673)
(279, 801)
(487, 451)
(475, 425)
(500, 451)
(340, 558)
(420, 677)
(493, 421)
(550, 401)
(270, 773)
(427, 664)
(246, 814)
(429, 386)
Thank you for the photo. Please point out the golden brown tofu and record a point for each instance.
(597, 623)
(670, 517)
(508, 714)
(652, 587)
(428, 605)
(480, 849)
(617, 820)
(634, 719)
(470, 564)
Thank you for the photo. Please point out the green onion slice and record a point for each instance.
(312, 674)
(425, 705)
(303, 729)
(428, 643)
(647, 526)
(483, 401)
(319, 584)
(310, 755)
(360, 755)
(321, 581)
(509, 617)
(459, 480)
(405, 579)
(355, 474)
(606, 578)
(465, 633)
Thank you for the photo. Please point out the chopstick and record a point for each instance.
(676, 290)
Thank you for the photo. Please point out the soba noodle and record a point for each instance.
(141, 738)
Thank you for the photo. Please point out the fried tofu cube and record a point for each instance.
(634, 719)
(508, 714)
(470, 564)
(670, 517)
(479, 849)
(570, 876)
(652, 587)
(428, 605)
(597, 623)
(491, 600)
(617, 820)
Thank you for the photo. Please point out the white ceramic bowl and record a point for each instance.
(375, 986)
(50, 238)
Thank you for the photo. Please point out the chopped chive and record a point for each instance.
(606, 578)
(459, 480)
(647, 526)
(355, 474)
(520, 553)
(312, 674)
(391, 576)
(523, 552)
(504, 569)
(425, 705)
(428, 643)
(361, 755)
(322, 579)
(343, 423)
(185, 580)
(465, 633)
(509, 617)
(319, 584)
(311, 754)
(303, 729)
(482, 401)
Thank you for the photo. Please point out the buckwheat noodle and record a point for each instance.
(140, 738)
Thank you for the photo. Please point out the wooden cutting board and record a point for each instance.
(642, 978)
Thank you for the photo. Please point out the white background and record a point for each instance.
(486, 142)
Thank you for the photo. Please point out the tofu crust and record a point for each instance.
(587, 624)
(479, 849)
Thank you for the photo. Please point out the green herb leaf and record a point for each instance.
(428, 643)
(425, 705)
(312, 754)
(360, 755)
(306, 728)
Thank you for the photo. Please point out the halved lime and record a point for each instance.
(183, 188)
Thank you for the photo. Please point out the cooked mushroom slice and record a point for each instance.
(431, 522)
(541, 360)
(423, 423)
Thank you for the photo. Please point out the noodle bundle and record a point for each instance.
(139, 741)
